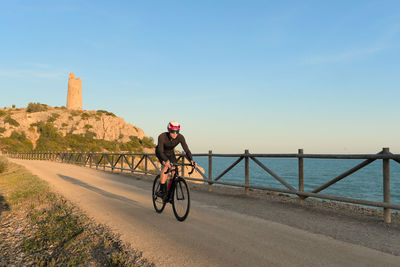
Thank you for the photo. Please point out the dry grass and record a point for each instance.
(3, 164)
(53, 231)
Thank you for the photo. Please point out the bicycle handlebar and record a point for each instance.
(177, 165)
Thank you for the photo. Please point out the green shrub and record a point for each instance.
(75, 113)
(85, 116)
(148, 142)
(84, 143)
(62, 107)
(133, 145)
(101, 112)
(90, 135)
(53, 117)
(17, 142)
(88, 126)
(2, 113)
(47, 129)
(135, 140)
(64, 124)
(3, 164)
(2, 129)
(36, 107)
(20, 136)
(50, 139)
(11, 121)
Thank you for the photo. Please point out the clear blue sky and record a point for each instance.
(270, 76)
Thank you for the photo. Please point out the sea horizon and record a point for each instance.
(365, 184)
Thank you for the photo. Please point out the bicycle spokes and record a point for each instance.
(179, 192)
(158, 203)
(181, 200)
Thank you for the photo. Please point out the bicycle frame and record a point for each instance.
(178, 197)
(175, 178)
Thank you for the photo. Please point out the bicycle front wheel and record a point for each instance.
(181, 200)
(158, 203)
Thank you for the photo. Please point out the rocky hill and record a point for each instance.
(41, 127)
(96, 125)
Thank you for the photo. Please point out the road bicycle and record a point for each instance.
(178, 193)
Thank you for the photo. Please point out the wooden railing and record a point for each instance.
(129, 162)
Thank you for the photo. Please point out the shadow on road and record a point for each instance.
(97, 190)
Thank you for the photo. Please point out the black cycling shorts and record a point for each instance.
(170, 156)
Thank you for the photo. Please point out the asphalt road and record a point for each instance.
(211, 236)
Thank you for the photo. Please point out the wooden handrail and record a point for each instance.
(385, 156)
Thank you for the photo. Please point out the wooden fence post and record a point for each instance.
(386, 185)
(112, 163)
(122, 162)
(133, 162)
(210, 167)
(246, 171)
(301, 176)
(145, 164)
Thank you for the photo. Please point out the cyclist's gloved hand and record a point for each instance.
(167, 164)
(193, 163)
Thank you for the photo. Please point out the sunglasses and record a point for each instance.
(174, 131)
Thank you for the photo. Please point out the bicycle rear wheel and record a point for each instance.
(181, 200)
(158, 203)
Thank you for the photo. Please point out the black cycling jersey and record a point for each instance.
(166, 145)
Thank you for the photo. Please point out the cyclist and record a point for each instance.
(167, 141)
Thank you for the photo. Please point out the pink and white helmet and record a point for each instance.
(174, 125)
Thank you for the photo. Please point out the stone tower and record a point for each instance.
(74, 99)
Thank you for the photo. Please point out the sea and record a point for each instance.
(365, 184)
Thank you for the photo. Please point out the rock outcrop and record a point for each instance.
(105, 125)
(74, 98)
